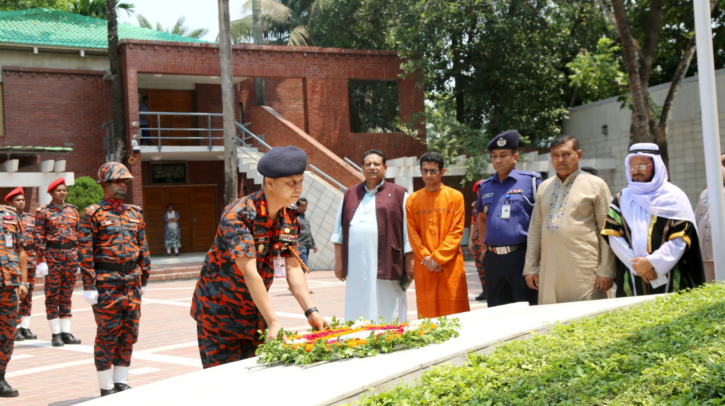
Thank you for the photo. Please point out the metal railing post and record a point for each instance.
(158, 125)
(209, 127)
(353, 164)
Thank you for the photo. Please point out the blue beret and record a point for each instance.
(507, 140)
(281, 162)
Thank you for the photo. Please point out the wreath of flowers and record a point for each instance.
(351, 339)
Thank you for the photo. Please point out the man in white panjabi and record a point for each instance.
(567, 259)
(372, 253)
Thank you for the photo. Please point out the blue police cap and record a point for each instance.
(507, 140)
(281, 162)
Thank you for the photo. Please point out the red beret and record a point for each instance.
(15, 192)
(55, 184)
(477, 185)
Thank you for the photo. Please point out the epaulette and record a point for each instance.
(137, 208)
(73, 206)
(92, 209)
(534, 174)
(39, 209)
(9, 208)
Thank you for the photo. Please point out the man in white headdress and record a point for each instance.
(651, 228)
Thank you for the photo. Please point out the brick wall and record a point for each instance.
(280, 132)
(51, 107)
(285, 96)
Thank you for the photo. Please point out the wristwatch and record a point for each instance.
(310, 311)
(26, 284)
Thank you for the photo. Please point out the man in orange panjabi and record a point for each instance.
(436, 218)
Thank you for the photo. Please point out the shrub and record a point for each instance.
(84, 193)
(670, 351)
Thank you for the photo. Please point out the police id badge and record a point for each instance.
(506, 211)
(279, 268)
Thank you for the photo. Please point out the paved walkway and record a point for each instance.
(167, 343)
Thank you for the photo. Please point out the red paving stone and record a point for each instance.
(167, 343)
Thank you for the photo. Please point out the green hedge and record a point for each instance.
(667, 352)
(84, 193)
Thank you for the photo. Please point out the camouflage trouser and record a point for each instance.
(219, 347)
(117, 316)
(8, 324)
(27, 303)
(60, 282)
(477, 251)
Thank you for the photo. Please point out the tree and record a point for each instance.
(597, 75)
(84, 193)
(230, 145)
(178, 29)
(119, 108)
(12, 5)
(639, 52)
(97, 8)
(282, 22)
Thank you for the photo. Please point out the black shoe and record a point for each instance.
(106, 392)
(482, 296)
(28, 334)
(19, 335)
(177, 255)
(56, 341)
(5, 390)
(69, 339)
(120, 387)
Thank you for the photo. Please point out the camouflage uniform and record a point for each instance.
(114, 259)
(28, 224)
(9, 282)
(227, 319)
(56, 233)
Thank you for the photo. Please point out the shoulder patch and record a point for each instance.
(136, 208)
(248, 211)
(534, 174)
(39, 209)
(10, 208)
(92, 208)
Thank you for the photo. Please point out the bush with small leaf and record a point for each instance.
(670, 351)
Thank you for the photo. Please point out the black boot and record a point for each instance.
(106, 392)
(28, 334)
(482, 296)
(5, 390)
(120, 387)
(69, 339)
(56, 341)
(19, 335)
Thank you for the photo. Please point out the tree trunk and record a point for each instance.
(640, 122)
(258, 40)
(119, 108)
(458, 90)
(230, 143)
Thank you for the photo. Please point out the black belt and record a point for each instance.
(124, 267)
(507, 250)
(58, 245)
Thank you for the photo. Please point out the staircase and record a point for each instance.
(323, 202)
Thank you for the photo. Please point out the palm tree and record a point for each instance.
(178, 29)
(97, 8)
(284, 22)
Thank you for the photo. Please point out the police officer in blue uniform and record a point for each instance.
(505, 202)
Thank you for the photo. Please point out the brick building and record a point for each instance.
(55, 92)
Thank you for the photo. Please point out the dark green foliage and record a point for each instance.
(666, 352)
(84, 193)
(374, 106)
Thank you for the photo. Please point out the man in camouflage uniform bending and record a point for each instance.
(115, 267)
(13, 287)
(230, 301)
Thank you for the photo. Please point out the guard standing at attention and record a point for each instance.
(115, 267)
(56, 228)
(16, 199)
(13, 288)
(255, 242)
(505, 202)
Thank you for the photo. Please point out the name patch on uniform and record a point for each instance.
(286, 237)
(518, 191)
(487, 195)
(261, 239)
(107, 223)
(134, 221)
